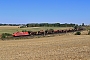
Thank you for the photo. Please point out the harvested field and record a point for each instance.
(68, 47)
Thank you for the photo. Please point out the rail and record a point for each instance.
(37, 36)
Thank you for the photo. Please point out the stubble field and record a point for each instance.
(67, 47)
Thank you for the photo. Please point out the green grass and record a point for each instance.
(88, 27)
(12, 30)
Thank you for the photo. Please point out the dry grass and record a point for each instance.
(68, 47)
(8, 27)
(84, 32)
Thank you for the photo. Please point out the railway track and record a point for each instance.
(37, 36)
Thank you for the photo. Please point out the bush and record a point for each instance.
(4, 35)
(51, 29)
(78, 33)
(24, 31)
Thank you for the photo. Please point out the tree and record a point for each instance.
(78, 33)
(82, 24)
(76, 27)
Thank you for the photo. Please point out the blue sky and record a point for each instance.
(40, 11)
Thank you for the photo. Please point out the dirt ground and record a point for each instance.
(68, 47)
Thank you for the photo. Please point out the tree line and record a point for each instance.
(43, 25)
(49, 25)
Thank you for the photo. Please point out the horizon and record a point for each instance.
(45, 22)
(44, 11)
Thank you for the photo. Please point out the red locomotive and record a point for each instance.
(20, 34)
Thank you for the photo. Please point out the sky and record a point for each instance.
(45, 11)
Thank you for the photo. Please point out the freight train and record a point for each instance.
(42, 32)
